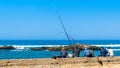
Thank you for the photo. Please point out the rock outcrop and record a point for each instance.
(70, 47)
(6, 47)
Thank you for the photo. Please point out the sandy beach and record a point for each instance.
(81, 62)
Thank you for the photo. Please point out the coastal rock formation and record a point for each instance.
(56, 48)
(36, 48)
(6, 47)
(70, 47)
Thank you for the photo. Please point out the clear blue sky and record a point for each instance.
(37, 19)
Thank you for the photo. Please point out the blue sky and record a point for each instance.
(37, 19)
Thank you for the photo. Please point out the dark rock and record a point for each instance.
(6, 47)
(70, 47)
(36, 48)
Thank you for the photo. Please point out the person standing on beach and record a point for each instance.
(63, 53)
(110, 52)
(76, 52)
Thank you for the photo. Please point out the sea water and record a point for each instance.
(22, 47)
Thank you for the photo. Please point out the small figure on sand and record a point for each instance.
(110, 52)
(76, 51)
(87, 52)
(91, 53)
(63, 53)
(103, 52)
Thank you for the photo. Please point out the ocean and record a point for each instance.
(22, 48)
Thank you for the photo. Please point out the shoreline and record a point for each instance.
(80, 62)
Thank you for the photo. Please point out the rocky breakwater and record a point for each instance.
(6, 47)
(69, 47)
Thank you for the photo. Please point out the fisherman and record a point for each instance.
(103, 52)
(87, 52)
(110, 52)
(91, 53)
(76, 51)
(63, 53)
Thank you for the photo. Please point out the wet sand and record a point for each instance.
(81, 62)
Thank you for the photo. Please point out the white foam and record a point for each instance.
(116, 49)
(22, 46)
(111, 45)
(26, 47)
